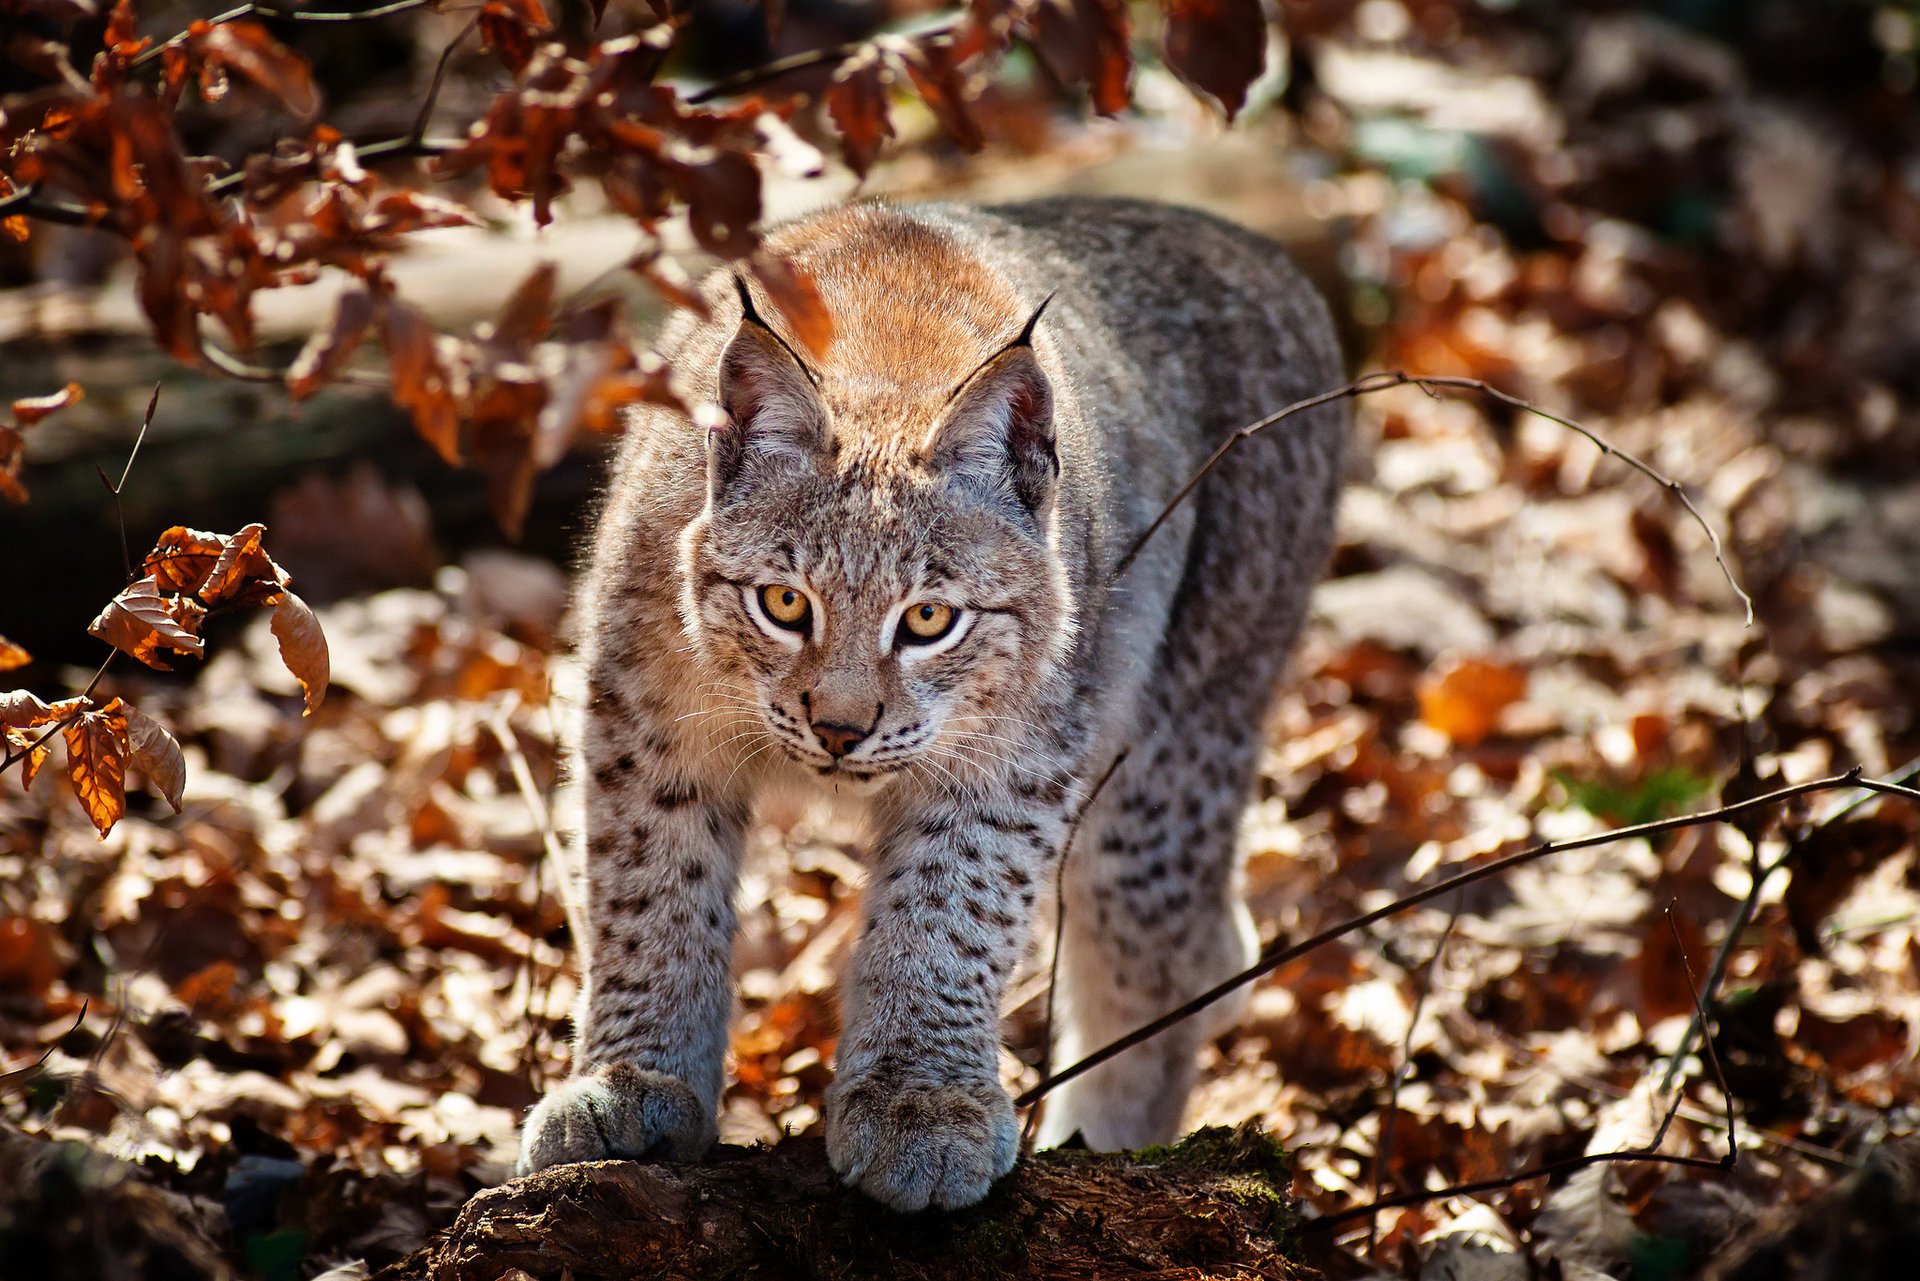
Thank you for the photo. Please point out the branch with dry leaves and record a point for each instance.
(104, 149)
(188, 578)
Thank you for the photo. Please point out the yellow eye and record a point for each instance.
(925, 622)
(786, 606)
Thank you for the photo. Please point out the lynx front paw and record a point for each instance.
(612, 1112)
(909, 1146)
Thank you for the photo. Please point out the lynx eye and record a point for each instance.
(926, 622)
(786, 606)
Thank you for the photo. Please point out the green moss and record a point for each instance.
(1250, 1168)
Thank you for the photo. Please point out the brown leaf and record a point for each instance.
(1465, 699)
(794, 294)
(136, 623)
(420, 380)
(936, 74)
(157, 754)
(30, 955)
(20, 708)
(328, 350)
(12, 655)
(249, 50)
(857, 102)
(1218, 47)
(672, 280)
(181, 560)
(527, 314)
(97, 764)
(303, 647)
(723, 202)
(1084, 42)
(244, 574)
(509, 26)
(32, 409)
(33, 755)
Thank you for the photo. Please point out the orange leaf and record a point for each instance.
(30, 955)
(1084, 42)
(97, 764)
(183, 558)
(420, 380)
(244, 574)
(12, 655)
(22, 710)
(857, 101)
(303, 647)
(32, 409)
(157, 753)
(136, 622)
(320, 361)
(248, 49)
(798, 301)
(935, 70)
(1464, 701)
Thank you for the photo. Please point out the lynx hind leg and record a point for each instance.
(1154, 915)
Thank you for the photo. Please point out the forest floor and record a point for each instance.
(311, 1008)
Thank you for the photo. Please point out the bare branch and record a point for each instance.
(1060, 922)
(1276, 955)
(281, 15)
(1648, 1151)
(1385, 380)
(33, 1068)
(1383, 1150)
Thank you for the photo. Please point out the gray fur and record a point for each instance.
(1167, 331)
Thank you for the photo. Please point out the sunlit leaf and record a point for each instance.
(303, 647)
(157, 754)
(138, 624)
(97, 764)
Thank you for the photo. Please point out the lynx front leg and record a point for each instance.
(916, 1114)
(662, 856)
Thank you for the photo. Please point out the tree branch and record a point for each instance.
(280, 15)
(1060, 923)
(1275, 955)
(1385, 380)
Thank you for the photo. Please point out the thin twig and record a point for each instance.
(1648, 1151)
(31, 1069)
(233, 367)
(1275, 956)
(550, 852)
(1385, 380)
(1383, 1150)
(119, 512)
(280, 15)
(1060, 925)
(1757, 880)
(418, 134)
(1713, 1055)
(1549, 1170)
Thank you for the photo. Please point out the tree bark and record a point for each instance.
(1215, 1206)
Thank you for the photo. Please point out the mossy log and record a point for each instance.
(1214, 1206)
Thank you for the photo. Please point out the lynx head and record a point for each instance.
(873, 576)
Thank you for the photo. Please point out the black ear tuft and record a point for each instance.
(998, 428)
(769, 397)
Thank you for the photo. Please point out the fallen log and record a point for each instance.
(1215, 1206)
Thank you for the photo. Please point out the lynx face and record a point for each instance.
(872, 622)
(879, 593)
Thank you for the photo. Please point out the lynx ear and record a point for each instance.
(998, 427)
(769, 396)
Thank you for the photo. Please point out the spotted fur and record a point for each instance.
(934, 452)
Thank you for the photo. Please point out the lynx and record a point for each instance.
(888, 570)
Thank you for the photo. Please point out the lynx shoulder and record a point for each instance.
(888, 570)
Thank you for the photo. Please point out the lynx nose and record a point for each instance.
(838, 739)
